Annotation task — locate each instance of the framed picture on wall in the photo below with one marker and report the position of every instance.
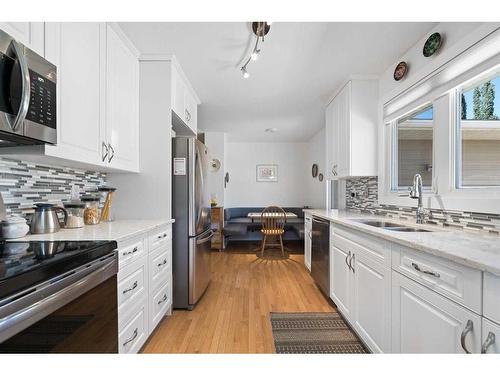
(267, 173)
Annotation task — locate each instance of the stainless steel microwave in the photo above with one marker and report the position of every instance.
(28, 85)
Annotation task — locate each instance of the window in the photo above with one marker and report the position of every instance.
(478, 134)
(413, 151)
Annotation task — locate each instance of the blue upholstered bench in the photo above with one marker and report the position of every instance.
(238, 226)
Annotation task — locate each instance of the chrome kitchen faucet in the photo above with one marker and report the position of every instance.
(416, 193)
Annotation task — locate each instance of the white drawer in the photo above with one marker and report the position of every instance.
(160, 237)
(371, 247)
(131, 251)
(491, 296)
(159, 303)
(134, 334)
(159, 266)
(131, 287)
(459, 283)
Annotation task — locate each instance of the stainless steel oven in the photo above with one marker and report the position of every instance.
(59, 297)
(28, 85)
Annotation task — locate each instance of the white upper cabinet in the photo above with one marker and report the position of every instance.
(97, 99)
(31, 34)
(184, 100)
(122, 104)
(351, 130)
(78, 50)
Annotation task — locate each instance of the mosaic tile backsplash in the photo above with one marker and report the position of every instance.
(362, 195)
(23, 184)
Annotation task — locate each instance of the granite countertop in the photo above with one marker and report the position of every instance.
(119, 230)
(479, 251)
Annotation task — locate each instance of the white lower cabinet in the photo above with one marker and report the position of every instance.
(423, 321)
(491, 337)
(341, 281)
(422, 304)
(360, 287)
(144, 287)
(372, 303)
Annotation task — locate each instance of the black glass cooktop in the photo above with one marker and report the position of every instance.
(25, 264)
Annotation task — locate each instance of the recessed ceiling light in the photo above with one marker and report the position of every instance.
(271, 130)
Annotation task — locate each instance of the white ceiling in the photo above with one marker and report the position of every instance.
(300, 66)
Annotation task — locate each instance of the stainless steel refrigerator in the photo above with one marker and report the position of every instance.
(192, 232)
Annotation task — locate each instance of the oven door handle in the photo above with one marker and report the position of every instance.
(53, 295)
(25, 86)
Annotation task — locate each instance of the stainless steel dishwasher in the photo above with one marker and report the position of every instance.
(320, 254)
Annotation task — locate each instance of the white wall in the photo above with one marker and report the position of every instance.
(216, 143)
(316, 153)
(244, 191)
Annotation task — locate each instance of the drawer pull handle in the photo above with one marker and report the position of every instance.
(164, 235)
(347, 260)
(490, 340)
(134, 250)
(134, 336)
(352, 259)
(131, 288)
(162, 263)
(468, 328)
(163, 299)
(432, 273)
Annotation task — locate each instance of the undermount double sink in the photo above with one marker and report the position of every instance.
(386, 225)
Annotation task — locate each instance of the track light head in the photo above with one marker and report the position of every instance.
(255, 54)
(245, 73)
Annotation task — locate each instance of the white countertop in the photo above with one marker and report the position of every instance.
(480, 251)
(119, 230)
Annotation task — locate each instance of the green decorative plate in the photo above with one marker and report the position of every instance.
(432, 44)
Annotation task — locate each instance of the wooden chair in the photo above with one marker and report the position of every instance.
(273, 219)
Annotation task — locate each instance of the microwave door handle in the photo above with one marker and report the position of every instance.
(25, 86)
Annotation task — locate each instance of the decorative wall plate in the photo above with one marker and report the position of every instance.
(320, 177)
(432, 44)
(314, 170)
(400, 71)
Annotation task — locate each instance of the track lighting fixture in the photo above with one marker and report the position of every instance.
(260, 29)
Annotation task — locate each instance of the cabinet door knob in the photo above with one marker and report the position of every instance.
(112, 154)
(104, 151)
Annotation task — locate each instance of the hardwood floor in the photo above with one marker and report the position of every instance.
(233, 315)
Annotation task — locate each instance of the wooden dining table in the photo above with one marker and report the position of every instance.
(258, 215)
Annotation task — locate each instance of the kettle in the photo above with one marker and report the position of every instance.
(45, 218)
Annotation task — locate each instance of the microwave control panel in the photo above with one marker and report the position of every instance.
(42, 108)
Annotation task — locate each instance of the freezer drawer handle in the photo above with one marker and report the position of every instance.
(468, 328)
(490, 340)
(432, 273)
(131, 288)
(163, 299)
(134, 336)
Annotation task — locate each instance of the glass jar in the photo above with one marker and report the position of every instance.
(107, 193)
(75, 211)
(91, 214)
